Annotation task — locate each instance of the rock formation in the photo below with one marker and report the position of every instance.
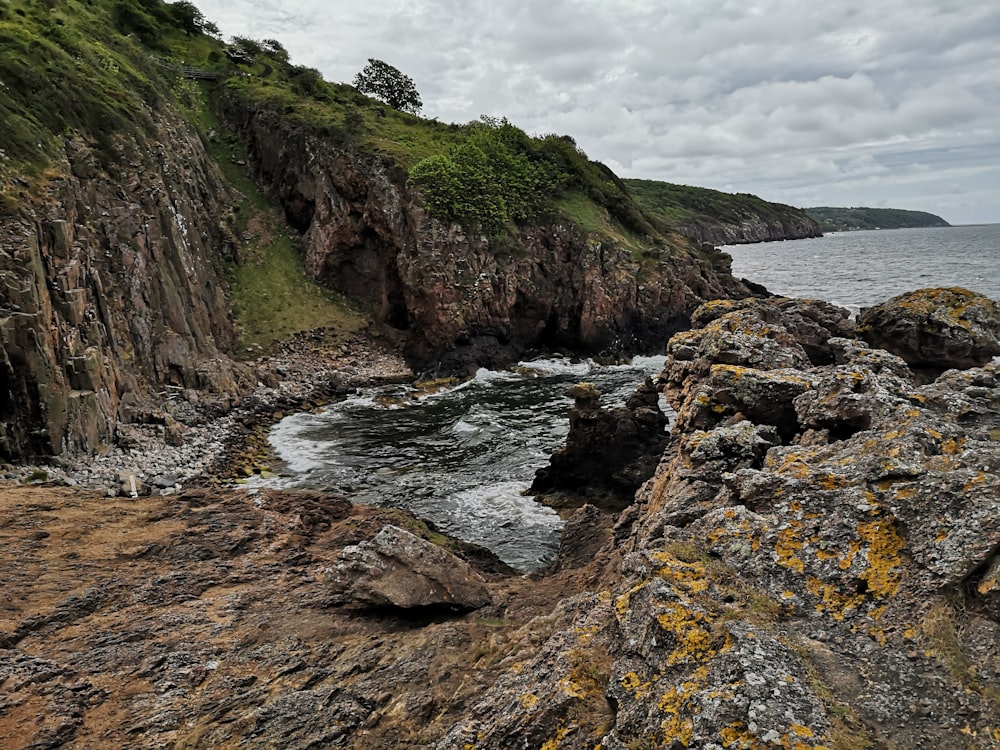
(935, 329)
(399, 569)
(462, 299)
(813, 564)
(608, 453)
(113, 286)
(751, 229)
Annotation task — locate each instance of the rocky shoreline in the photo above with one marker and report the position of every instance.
(814, 563)
(187, 441)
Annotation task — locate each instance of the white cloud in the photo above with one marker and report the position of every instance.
(837, 102)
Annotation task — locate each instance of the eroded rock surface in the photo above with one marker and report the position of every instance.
(399, 569)
(111, 287)
(813, 564)
(609, 453)
(935, 329)
(463, 301)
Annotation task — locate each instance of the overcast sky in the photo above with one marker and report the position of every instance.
(838, 102)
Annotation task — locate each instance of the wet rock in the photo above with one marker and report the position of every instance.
(397, 569)
(609, 453)
(935, 329)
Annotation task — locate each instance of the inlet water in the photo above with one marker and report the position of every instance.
(461, 457)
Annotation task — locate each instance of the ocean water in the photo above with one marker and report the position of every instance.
(861, 269)
(464, 456)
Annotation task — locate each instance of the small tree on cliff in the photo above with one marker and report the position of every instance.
(395, 88)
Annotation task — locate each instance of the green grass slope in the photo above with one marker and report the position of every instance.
(97, 69)
(847, 219)
(686, 206)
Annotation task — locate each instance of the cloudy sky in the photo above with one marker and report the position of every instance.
(840, 102)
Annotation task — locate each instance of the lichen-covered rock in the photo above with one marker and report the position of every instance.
(937, 329)
(551, 691)
(397, 569)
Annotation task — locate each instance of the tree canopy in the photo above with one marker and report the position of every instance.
(385, 82)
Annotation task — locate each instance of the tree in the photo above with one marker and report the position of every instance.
(190, 19)
(389, 84)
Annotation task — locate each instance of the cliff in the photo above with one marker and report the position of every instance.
(113, 289)
(849, 219)
(119, 231)
(718, 218)
(462, 298)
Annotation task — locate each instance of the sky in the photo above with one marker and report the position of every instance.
(894, 103)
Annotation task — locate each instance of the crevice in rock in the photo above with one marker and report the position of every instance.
(299, 211)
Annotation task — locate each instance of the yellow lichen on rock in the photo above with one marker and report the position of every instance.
(788, 545)
(884, 563)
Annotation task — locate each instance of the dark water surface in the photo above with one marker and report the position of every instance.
(461, 457)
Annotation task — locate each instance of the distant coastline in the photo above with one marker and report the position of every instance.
(854, 219)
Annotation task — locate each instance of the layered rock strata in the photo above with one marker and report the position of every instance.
(113, 288)
(752, 228)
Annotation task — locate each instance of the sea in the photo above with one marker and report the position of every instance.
(464, 456)
(861, 269)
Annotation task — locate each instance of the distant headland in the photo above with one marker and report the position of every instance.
(851, 219)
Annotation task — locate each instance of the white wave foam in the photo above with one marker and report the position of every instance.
(500, 504)
(557, 366)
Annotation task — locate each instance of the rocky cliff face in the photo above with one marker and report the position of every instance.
(752, 228)
(112, 286)
(462, 299)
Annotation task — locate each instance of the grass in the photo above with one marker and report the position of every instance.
(943, 630)
(273, 299)
(683, 205)
(95, 69)
(87, 67)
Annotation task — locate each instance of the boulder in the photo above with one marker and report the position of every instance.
(935, 329)
(399, 570)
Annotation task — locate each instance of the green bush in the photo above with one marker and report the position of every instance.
(489, 181)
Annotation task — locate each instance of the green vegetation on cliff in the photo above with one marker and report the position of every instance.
(99, 71)
(711, 215)
(847, 219)
(96, 68)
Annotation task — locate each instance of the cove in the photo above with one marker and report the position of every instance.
(461, 457)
